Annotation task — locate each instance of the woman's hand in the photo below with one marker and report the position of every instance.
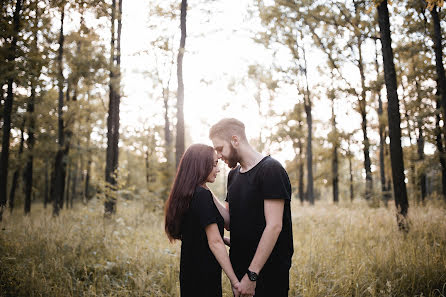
(235, 289)
(227, 241)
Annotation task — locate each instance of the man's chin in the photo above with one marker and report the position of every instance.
(232, 165)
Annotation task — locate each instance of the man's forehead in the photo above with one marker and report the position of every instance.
(218, 142)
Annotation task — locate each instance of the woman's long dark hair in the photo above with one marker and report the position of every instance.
(194, 168)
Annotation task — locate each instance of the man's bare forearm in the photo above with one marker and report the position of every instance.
(265, 247)
(273, 217)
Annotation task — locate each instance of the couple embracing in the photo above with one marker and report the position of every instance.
(256, 213)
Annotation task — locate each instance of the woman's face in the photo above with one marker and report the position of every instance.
(213, 175)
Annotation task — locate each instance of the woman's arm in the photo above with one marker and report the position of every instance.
(223, 210)
(219, 250)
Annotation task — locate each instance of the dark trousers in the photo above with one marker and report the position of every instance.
(273, 283)
(272, 289)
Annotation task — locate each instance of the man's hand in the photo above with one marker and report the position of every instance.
(227, 241)
(247, 287)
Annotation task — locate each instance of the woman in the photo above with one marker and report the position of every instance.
(197, 218)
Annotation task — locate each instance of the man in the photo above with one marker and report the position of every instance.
(259, 196)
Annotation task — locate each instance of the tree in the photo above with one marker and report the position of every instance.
(63, 136)
(441, 83)
(382, 124)
(15, 177)
(291, 128)
(336, 21)
(180, 146)
(356, 24)
(37, 61)
(7, 110)
(309, 117)
(335, 143)
(333, 138)
(438, 49)
(284, 29)
(349, 156)
(113, 112)
(393, 113)
(440, 147)
(417, 75)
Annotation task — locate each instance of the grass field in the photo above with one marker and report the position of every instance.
(347, 250)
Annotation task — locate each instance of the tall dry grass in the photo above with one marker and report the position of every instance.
(348, 250)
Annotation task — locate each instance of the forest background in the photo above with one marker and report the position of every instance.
(99, 99)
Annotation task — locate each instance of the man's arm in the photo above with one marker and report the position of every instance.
(273, 209)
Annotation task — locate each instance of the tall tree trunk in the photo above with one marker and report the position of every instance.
(300, 188)
(113, 114)
(334, 159)
(60, 163)
(393, 113)
(28, 174)
(350, 168)
(46, 192)
(82, 176)
(167, 134)
(307, 107)
(440, 148)
(382, 140)
(7, 108)
(87, 174)
(74, 182)
(15, 177)
(68, 180)
(363, 112)
(420, 149)
(109, 166)
(118, 89)
(180, 146)
(387, 157)
(2, 98)
(146, 161)
(438, 48)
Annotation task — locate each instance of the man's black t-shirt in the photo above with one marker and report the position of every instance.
(246, 194)
(200, 272)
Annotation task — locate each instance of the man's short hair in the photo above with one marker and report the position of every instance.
(226, 128)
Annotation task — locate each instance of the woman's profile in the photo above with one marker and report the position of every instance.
(194, 216)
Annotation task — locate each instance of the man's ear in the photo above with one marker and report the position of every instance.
(234, 141)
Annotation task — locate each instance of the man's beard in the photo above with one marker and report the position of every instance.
(233, 158)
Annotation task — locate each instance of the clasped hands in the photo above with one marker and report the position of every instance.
(244, 288)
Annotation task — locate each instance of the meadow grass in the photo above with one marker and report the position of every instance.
(345, 250)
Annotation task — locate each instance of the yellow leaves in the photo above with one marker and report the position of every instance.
(432, 3)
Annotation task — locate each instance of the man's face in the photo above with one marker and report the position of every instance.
(226, 152)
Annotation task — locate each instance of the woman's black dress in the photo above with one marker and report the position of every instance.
(200, 273)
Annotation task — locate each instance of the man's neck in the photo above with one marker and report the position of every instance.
(249, 158)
